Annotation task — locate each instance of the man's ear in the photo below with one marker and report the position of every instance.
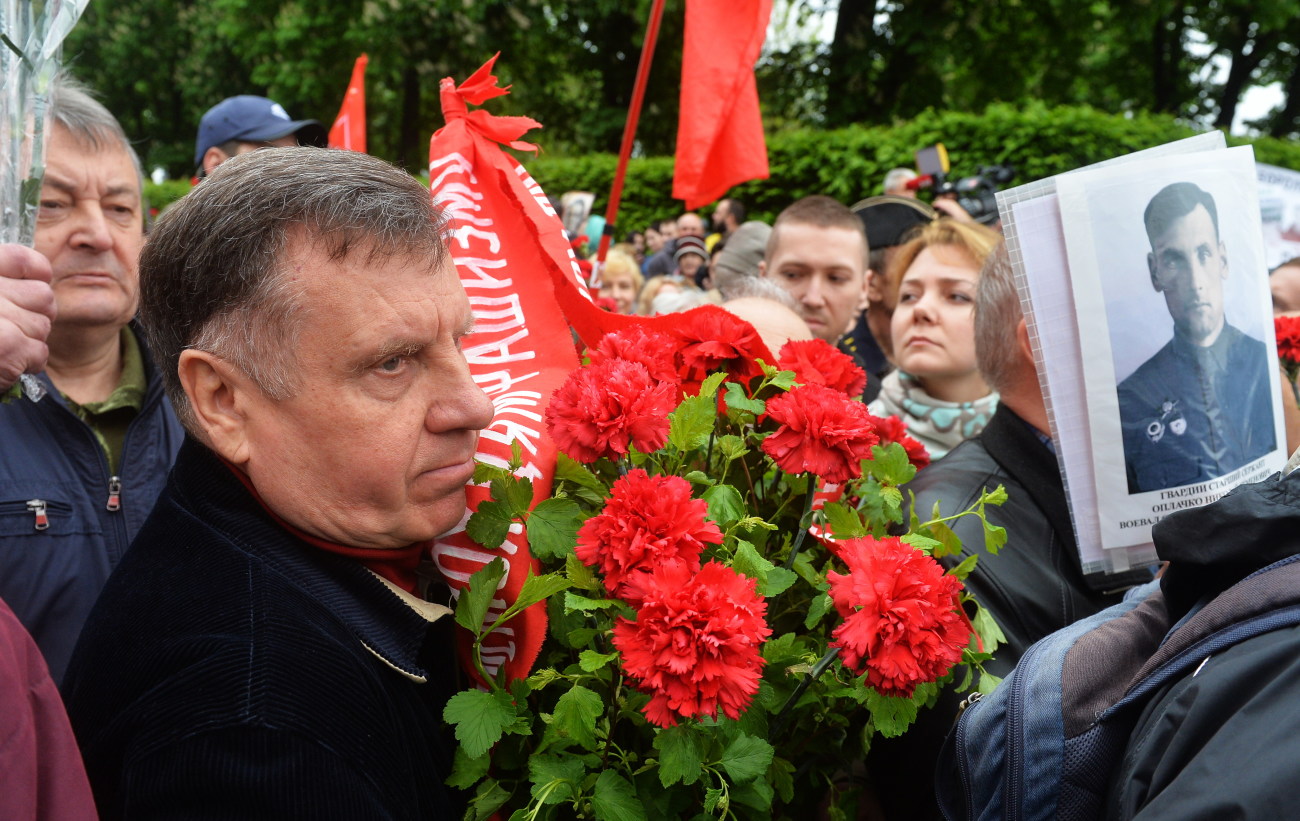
(864, 299)
(212, 158)
(762, 267)
(218, 394)
(1151, 266)
(1022, 342)
(1223, 256)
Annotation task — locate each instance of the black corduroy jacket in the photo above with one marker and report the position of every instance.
(230, 670)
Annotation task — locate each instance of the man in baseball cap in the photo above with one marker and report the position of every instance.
(237, 125)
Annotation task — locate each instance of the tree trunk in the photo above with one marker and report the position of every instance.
(1167, 43)
(849, 63)
(408, 134)
(1243, 68)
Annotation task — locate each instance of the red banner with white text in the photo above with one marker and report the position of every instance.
(349, 129)
(509, 248)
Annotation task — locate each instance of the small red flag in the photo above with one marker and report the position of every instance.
(720, 130)
(349, 130)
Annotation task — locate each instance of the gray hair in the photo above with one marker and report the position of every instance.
(74, 108)
(897, 177)
(756, 286)
(212, 276)
(997, 314)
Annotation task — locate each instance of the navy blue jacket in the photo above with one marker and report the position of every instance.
(51, 577)
(230, 670)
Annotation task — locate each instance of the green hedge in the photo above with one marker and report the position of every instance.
(850, 163)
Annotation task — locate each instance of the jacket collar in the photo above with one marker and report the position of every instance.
(388, 622)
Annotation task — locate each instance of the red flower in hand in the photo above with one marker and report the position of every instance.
(901, 623)
(602, 409)
(694, 646)
(658, 352)
(817, 362)
(1288, 339)
(715, 341)
(892, 429)
(649, 522)
(822, 432)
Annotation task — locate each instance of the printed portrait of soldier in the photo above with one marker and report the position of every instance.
(1201, 406)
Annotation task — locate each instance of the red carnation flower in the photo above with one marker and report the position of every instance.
(822, 432)
(649, 522)
(1288, 339)
(658, 352)
(892, 429)
(694, 646)
(901, 623)
(817, 362)
(715, 340)
(601, 409)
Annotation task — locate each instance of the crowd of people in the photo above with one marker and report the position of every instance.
(210, 527)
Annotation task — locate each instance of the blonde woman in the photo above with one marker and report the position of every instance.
(937, 389)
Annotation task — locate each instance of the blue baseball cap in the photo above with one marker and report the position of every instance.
(253, 119)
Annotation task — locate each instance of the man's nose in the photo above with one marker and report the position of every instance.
(459, 404)
(91, 230)
(814, 295)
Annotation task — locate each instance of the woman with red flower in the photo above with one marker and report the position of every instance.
(902, 625)
(694, 646)
(649, 522)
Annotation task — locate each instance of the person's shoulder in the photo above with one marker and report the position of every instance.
(957, 478)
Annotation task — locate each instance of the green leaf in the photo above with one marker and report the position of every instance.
(698, 477)
(553, 528)
(577, 474)
(690, 424)
(987, 683)
(725, 505)
(590, 661)
(889, 464)
(516, 456)
(781, 776)
(489, 798)
(473, 603)
(738, 400)
(731, 446)
(821, 605)
(996, 496)
(988, 629)
(581, 637)
(680, 758)
(783, 379)
(746, 758)
(964, 569)
(484, 473)
(489, 524)
(892, 715)
(572, 601)
(480, 719)
(535, 589)
(844, 521)
(923, 543)
(756, 794)
(950, 541)
(466, 771)
(575, 716)
(543, 677)
(515, 493)
(712, 800)
(580, 576)
(994, 537)
(556, 779)
(709, 387)
(615, 800)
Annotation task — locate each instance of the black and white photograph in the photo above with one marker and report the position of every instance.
(1176, 329)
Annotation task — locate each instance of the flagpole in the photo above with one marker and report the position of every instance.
(629, 129)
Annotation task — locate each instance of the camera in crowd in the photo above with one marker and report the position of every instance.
(974, 193)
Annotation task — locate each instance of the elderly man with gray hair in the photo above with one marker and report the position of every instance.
(82, 467)
(1035, 585)
(267, 648)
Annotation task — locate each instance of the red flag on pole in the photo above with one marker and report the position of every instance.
(349, 129)
(720, 131)
(508, 244)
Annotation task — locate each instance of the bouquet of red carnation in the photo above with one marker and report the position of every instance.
(1288, 349)
(708, 658)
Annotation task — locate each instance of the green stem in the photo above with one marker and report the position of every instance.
(803, 525)
(1295, 391)
(820, 667)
